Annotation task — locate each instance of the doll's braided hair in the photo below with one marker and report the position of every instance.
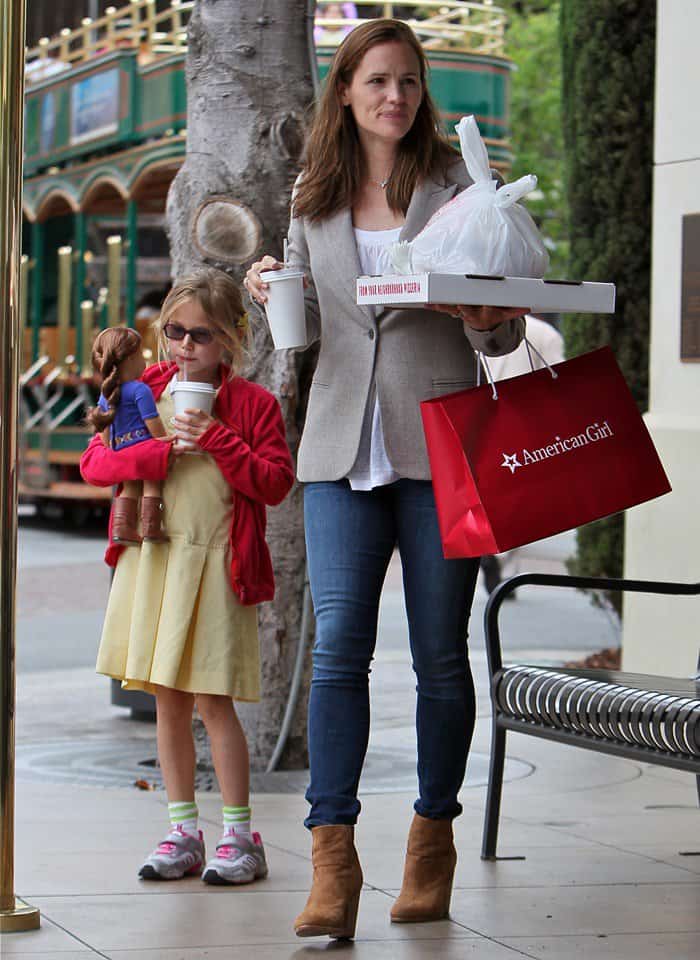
(111, 346)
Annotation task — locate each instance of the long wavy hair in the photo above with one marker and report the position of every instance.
(111, 346)
(334, 164)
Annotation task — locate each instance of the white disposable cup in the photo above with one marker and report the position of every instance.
(191, 395)
(285, 307)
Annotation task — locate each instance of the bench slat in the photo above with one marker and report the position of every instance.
(605, 705)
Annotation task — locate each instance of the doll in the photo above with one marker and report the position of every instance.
(126, 414)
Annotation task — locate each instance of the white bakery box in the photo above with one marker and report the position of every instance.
(537, 296)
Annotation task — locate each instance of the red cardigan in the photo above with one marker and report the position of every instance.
(249, 447)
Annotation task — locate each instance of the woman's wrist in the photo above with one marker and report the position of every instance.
(495, 326)
(487, 319)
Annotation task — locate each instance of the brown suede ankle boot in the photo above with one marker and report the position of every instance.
(335, 892)
(427, 879)
(151, 517)
(124, 522)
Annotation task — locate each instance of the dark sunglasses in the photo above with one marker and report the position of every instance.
(200, 335)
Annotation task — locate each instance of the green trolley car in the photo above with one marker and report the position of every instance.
(105, 134)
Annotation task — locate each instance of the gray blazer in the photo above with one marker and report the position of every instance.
(409, 355)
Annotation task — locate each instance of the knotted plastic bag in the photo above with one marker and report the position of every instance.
(482, 230)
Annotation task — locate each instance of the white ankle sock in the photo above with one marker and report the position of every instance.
(238, 820)
(184, 814)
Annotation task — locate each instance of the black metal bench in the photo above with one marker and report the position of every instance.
(654, 719)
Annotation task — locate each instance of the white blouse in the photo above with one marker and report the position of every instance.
(372, 467)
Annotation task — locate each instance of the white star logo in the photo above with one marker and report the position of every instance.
(511, 461)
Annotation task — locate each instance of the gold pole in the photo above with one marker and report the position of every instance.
(87, 316)
(14, 914)
(65, 282)
(114, 279)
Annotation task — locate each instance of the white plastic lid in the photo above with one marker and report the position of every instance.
(194, 386)
(286, 273)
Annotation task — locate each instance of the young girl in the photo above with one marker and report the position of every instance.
(126, 414)
(181, 619)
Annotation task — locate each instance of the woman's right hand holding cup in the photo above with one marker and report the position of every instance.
(253, 281)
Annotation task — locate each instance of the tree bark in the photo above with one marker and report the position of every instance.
(249, 85)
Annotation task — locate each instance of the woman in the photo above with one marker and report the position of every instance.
(376, 169)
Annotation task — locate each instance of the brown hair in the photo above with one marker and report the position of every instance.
(333, 160)
(220, 298)
(111, 346)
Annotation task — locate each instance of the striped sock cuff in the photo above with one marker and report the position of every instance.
(183, 812)
(234, 815)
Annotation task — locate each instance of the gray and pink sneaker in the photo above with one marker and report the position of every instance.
(180, 854)
(237, 860)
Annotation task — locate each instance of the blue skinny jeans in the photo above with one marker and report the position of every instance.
(350, 537)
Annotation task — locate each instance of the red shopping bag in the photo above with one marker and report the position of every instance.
(549, 454)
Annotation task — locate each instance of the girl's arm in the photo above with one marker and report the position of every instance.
(261, 470)
(102, 467)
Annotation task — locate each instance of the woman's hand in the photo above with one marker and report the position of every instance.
(253, 282)
(190, 426)
(479, 318)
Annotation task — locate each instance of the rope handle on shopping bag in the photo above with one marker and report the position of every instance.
(482, 362)
(531, 346)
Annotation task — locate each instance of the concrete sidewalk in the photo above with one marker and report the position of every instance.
(606, 872)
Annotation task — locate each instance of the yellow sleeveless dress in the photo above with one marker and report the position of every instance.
(172, 617)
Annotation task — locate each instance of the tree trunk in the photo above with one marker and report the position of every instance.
(249, 84)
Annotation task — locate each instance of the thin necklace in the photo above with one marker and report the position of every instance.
(380, 184)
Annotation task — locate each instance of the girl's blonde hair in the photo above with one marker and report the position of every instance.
(111, 346)
(333, 164)
(220, 298)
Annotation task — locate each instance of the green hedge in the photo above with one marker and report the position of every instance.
(535, 110)
(607, 114)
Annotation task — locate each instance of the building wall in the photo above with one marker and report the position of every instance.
(661, 635)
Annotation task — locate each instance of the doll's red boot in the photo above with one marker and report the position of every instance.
(124, 522)
(151, 520)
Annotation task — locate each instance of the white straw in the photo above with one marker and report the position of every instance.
(184, 370)
(284, 248)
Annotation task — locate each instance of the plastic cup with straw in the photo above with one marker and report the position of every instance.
(285, 304)
(191, 395)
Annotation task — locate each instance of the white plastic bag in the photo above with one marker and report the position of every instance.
(482, 230)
